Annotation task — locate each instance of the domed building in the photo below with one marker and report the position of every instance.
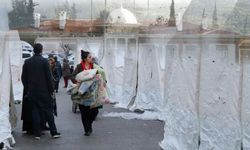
(122, 20)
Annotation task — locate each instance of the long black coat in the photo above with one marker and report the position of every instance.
(36, 75)
(37, 82)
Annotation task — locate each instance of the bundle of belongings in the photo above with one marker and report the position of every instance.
(89, 89)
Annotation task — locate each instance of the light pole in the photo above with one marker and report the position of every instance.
(91, 16)
(148, 7)
(105, 5)
(134, 6)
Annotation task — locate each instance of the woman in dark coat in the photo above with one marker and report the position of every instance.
(55, 78)
(88, 114)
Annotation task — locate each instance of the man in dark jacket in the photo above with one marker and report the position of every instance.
(36, 78)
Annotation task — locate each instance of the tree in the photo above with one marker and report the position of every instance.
(22, 13)
(160, 20)
(104, 15)
(66, 48)
(73, 11)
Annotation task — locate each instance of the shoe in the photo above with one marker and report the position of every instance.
(28, 132)
(56, 135)
(37, 137)
(87, 133)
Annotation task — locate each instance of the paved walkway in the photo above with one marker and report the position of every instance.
(108, 133)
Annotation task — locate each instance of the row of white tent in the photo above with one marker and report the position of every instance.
(200, 94)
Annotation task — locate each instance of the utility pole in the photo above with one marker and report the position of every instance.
(134, 5)
(105, 20)
(91, 26)
(105, 5)
(148, 8)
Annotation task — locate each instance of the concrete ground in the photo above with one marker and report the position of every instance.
(108, 133)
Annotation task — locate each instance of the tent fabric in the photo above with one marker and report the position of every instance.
(6, 95)
(181, 122)
(120, 63)
(219, 100)
(245, 107)
(15, 49)
(2, 35)
(113, 73)
(130, 74)
(150, 94)
(197, 86)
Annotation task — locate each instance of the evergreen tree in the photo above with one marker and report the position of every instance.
(104, 15)
(22, 14)
(73, 11)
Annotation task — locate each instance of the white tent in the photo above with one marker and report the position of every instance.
(7, 108)
(150, 92)
(219, 99)
(182, 75)
(244, 111)
(130, 74)
(8, 117)
(194, 86)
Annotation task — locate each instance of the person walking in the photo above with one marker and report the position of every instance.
(55, 78)
(58, 67)
(36, 79)
(71, 69)
(88, 113)
(66, 72)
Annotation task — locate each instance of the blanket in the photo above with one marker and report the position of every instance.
(90, 91)
(86, 75)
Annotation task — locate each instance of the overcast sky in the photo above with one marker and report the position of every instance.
(157, 7)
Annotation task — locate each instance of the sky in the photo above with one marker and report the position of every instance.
(157, 7)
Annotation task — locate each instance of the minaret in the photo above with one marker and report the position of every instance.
(215, 18)
(172, 20)
(204, 25)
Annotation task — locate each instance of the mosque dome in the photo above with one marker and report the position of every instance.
(122, 16)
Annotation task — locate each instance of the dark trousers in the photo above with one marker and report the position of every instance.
(65, 81)
(57, 85)
(39, 115)
(88, 116)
